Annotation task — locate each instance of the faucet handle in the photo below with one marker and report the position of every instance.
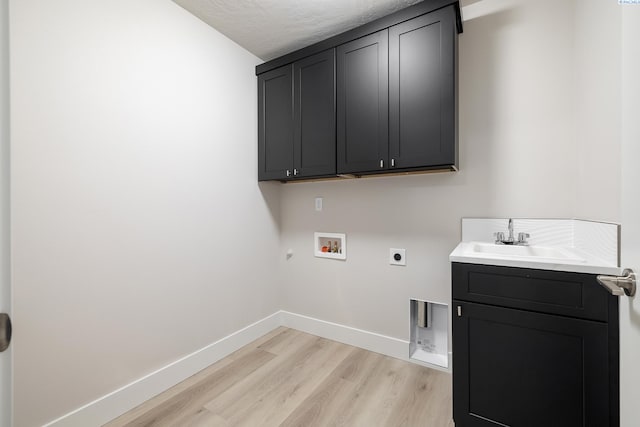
(499, 236)
(522, 238)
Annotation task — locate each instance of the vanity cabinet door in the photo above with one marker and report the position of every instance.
(520, 368)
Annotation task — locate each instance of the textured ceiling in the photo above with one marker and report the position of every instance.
(271, 28)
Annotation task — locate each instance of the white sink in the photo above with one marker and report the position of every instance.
(531, 253)
(556, 245)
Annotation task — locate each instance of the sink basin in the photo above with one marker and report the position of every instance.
(533, 253)
(555, 245)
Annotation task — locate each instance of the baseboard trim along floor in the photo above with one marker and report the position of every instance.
(116, 403)
(347, 335)
(120, 401)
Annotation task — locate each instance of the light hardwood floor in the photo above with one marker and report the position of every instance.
(290, 378)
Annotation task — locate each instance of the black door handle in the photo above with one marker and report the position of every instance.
(5, 331)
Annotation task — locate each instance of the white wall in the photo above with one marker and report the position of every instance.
(140, 233)
(596, 78)
(523, 133)
(5, 290)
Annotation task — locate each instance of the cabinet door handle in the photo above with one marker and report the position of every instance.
(288, 172)
(393, 163)
(295, 171)
(459, 311)
(381, 163)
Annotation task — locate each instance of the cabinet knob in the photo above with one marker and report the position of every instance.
(288, 172)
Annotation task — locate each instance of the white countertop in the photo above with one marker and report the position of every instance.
(559, 258)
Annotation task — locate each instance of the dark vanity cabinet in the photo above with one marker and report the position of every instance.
(296, 119)
(376, 99)
(533, 348)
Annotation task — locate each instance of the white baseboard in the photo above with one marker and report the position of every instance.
(372, 341)
(367, 340)
(118, 402)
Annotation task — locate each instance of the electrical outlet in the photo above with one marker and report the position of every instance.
(318, 204)
(397, 256)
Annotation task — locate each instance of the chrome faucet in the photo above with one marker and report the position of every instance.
(510, 240)
(510, 228)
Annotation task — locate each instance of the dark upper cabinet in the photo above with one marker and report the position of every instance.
(296, 119)
(275, 124)
(422, 110)
(362, 85)
(533, 348)
(396, 97)
(375, 99)
(315, 115)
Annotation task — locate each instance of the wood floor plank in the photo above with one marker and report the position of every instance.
(300, 381)
(322, 405)
(127, 418)
(158, 400)
(269, 377)
(370, 403)
(289, 378)
(203, 418)
(188, 402)
(358, 365)
(384, 393)
(260, 341)
(427, 396)
(283, 342)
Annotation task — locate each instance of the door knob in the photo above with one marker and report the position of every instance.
(620, 285)
(5, 331)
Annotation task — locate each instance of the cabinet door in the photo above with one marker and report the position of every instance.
(519, 368)
(422, 91)
(275, 124)
(315, 115)
(363, 104)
